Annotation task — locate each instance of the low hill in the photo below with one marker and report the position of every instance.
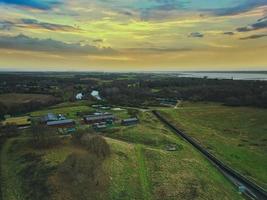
(139, 167)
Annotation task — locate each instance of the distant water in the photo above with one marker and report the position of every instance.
(227, 75)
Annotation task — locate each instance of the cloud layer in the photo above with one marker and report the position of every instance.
(22, 42)
(36, 4)
(134, 32)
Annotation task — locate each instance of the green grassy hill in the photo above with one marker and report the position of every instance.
(236, 135)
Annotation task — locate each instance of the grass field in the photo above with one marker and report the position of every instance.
(11, 99)
(238, 136)
(20, 121)
(68, 111)
(139, 166)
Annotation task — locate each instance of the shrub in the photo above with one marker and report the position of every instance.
(133, 112)
(76, 136)
(96, 144)
(43, 136)
(9, 130)
(233, 101)
(82, 177)
(35, 173)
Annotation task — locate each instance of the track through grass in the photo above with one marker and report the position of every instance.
(143, 173)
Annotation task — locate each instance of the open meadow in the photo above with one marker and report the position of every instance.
(237, 136)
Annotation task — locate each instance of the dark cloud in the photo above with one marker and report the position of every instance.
(49, 26)
(254, 37)
(259, 25)
(6, 25)
(160, 50)
(32, 23)
(98, 41)
(229, 33)
(196, 35)
(243, 7)
(244, 29)
(261, 19)
(22, 42)
(128, 13)
(162, 5)
(36, 4)
(171, 4)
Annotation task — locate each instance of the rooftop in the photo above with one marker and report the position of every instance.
(60, 122)
(130, 120)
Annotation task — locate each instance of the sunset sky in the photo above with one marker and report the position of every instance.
(130, 35)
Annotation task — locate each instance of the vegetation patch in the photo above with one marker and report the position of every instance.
(81, 177)
(25, 174)
(17, 103)
(235, 135)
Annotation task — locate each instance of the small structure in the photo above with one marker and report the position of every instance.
(66, 123)
(63, 126)
(96, 106)
(167, 102)
(171, 147)
(118, 109)
(59, 121)
(49, 118)
(106, 117)
(100, 126)
(61, 117)
(96, 95)
(79, 96)
(130, 121)
(105, 108)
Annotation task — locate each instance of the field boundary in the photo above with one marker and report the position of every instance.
(251, 190)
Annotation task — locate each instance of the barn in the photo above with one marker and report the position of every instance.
(92, 119)
(130, 121)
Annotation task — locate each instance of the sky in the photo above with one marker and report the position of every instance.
(133, 35)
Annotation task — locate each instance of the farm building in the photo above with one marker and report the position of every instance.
(49, 118)
(167, 102)
(91, 119)
(100, 126)
(130, 121)
(65, 126)
(67, 123)
(97, 106)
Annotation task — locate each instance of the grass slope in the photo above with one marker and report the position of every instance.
(236, 135)
(138, 168)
